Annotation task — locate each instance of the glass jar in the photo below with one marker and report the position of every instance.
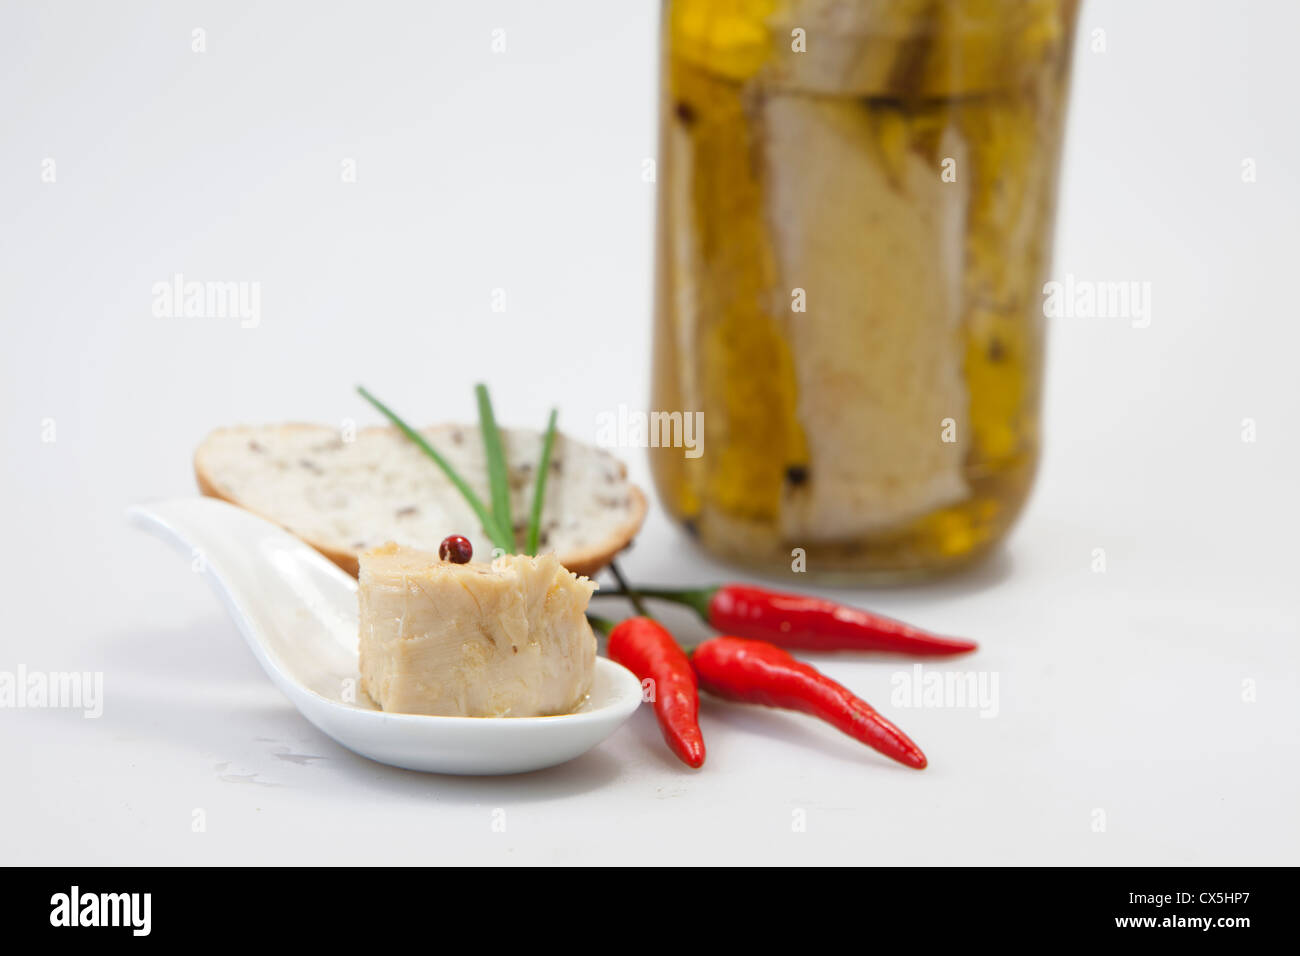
(855, 214)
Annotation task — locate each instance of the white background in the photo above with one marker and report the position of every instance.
(1119, 692)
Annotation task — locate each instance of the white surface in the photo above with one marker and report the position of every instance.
(298, 613)
(1120, 692)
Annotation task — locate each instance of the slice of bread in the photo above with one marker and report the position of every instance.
(343, 497)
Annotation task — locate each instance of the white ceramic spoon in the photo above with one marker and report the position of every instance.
(298, 613)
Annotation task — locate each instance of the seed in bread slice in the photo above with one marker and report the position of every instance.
(343, 497)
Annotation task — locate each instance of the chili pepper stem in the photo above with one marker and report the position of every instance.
(696, 599)
(629, 593)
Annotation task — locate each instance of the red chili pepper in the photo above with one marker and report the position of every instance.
(806, 623)
(756, 672)
(646, 648)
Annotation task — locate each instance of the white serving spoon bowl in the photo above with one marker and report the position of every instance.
(298, 613)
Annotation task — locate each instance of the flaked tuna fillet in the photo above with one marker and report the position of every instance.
(510, 639)
(862, 221)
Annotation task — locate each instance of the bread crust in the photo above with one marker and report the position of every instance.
(588, 562)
